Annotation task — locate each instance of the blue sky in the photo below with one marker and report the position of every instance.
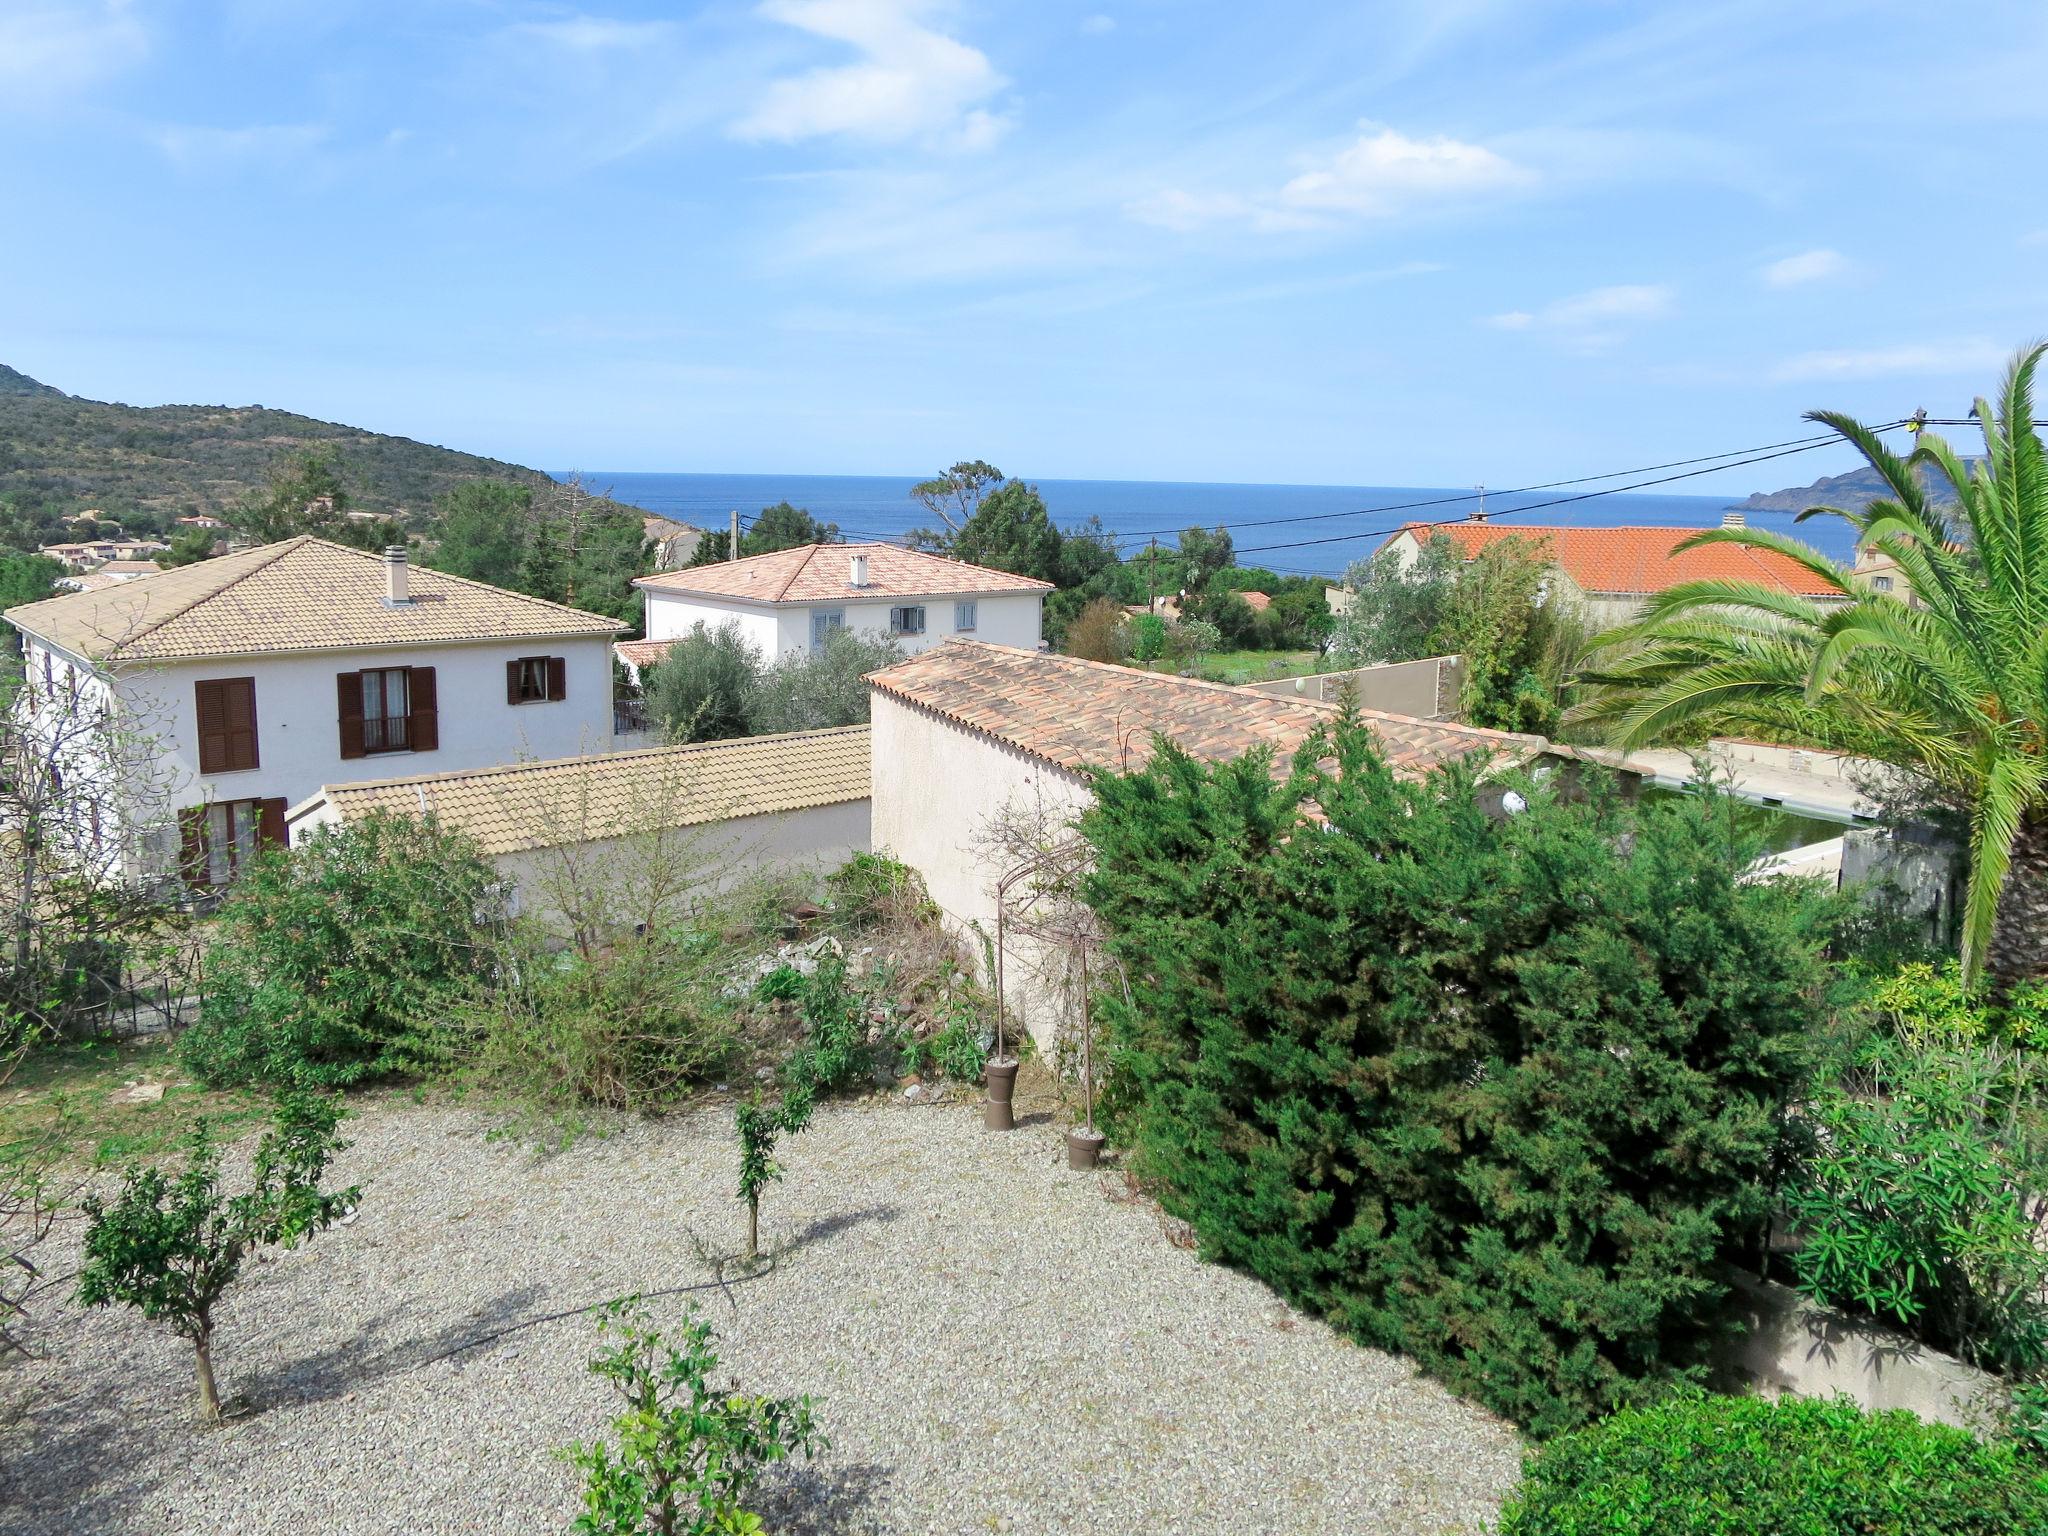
(1419, 243)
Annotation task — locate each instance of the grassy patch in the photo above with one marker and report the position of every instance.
(1251, 666)
(82, 1094)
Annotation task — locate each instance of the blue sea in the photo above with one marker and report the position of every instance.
(1314, 530)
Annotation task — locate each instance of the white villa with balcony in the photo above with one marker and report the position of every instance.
(793, 599)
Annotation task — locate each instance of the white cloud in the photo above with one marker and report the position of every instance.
(51, 49)
(594, 34)
(1806, 267)
(1593, 308)
(1970, 356)
(1096, 26)
(910, 82)
(1381, 174)
(191, 148)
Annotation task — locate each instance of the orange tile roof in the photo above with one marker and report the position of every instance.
(813, 573)
(1075, 714)
(1635, 560)
(641, 653)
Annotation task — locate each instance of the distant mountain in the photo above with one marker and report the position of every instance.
(68, 453)
(1851, 492)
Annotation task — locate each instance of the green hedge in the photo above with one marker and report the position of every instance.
(1732, 1466)
(1498, 1094)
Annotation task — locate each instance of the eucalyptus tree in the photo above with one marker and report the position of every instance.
(1946, 677)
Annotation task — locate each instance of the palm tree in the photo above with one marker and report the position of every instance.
(1952, 686)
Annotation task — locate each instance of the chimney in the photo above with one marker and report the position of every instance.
(1733, 519)
(859, 576)
(397, 578)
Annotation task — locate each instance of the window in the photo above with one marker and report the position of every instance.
(536, 679)
(221, 838)
(388, 709)
(906, 621)
(226, 710)
(1881, 583)
(963, 615)
(823, 622)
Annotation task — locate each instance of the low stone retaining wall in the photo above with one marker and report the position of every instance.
(1789, 1344)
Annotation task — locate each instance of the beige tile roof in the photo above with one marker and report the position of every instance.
(813, 573)
(1076, 714)
(523, 806)
(642, 653)
(301, 594)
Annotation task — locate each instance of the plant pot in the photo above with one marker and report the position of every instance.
(1084, 1146)
(1001, 1077)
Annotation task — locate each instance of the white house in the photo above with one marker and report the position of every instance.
(968, 734)
(599, 843)
(792, 599)
(257, 677)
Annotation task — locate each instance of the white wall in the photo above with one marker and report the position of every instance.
(1009, 618)
(936, 786)
(298, 738)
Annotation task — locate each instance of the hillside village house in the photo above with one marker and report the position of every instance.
(969, 732)
(83, 556)
(793, 599)
(260, 676)
(601, 843)
(1611, 573)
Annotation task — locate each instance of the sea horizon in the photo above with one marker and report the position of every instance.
(1312, 530)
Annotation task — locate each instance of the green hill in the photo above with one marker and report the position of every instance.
(1851, 492)
(60, 453)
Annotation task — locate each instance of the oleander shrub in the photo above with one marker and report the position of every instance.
(1498, 1091)
(333, 963)
(1742, 1466)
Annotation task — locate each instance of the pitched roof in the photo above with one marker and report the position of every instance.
(641, 653)
(1634, 560)
(301, 594)
(522, 806)
(1075, 714)
(813, 573)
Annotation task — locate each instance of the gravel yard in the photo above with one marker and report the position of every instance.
(995, 1343)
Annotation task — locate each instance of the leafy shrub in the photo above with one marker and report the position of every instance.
(784, 984)
(1098, 632)
(688, 1453)
(1501, 1095)
(1739, 1466)
(1919, 1201)
(170, 1248)
(836, 1014)
(698, 691)
(332, 963)
(1932, 1004)
(1148, 637)
(954, 1050)
(631, 1027)
(805, 691)
(871, 888)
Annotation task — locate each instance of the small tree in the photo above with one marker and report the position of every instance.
(171, 1247)
(699, 690)
(1099, 632)
(809, 692)
(759, 1125)
(688, 1453)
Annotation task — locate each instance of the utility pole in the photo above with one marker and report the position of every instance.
(1151, 576)
(733, 544)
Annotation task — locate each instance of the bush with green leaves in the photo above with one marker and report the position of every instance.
(333, 963)
(699, 690)
(814, 690)
(1744, 1466)
(954, 1049)
(1498, 1091)
(1928, 1002)
(170, 1247)
(870, 888)
(1921, 1198)
(688, 1453)
(632, 1026)
(760, 1126)
(836, 1052)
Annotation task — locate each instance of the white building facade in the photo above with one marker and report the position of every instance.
(258, 677)
(792, 600)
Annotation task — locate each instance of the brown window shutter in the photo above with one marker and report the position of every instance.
(192, 844)
(239, 697)
(270, 832)
(558, 677)
(512, 681)
(426, 710)
(210, 705)
(348, 688)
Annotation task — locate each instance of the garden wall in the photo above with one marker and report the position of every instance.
(1427, 689)
(1789, 1344)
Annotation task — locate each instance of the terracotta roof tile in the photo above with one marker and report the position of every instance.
(522, 806)
(1077, 714)
(302, 594)
(1635, 561)
(641, 653)
(813, 573)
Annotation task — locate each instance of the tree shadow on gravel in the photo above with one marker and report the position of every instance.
(814, 1500)
(832, 1226)
(76, 1466)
